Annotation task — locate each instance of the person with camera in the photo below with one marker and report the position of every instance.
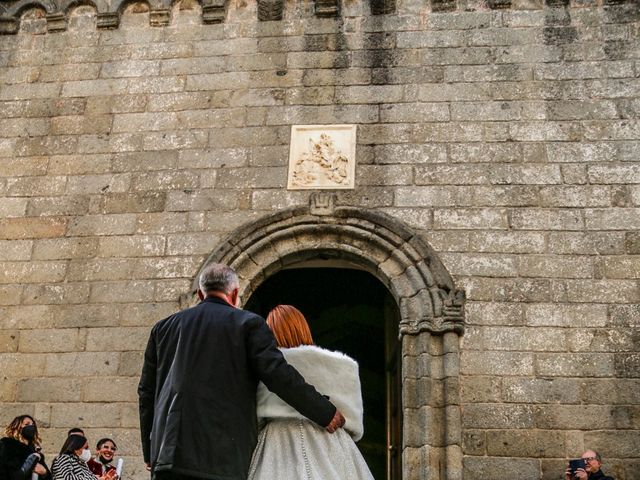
(587, 468)
(20, 452)
(101, 464)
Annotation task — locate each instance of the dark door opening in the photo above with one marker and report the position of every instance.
(351, 311)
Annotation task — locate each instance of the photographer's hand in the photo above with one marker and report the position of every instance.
(582, 474)
(567, 473)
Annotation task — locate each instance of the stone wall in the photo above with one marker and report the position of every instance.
(134, 138)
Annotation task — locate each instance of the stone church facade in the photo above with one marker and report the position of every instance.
(496, 199)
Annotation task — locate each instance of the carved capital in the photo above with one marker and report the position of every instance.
(270, 10)
(327, 8)
(160, 17)
(56, 22)
(9, 25)
(322, 203)
(443, 5)
(108, 20)
(382, 7)
(451, 320)
(214, 11)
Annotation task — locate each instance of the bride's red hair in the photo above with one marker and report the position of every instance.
(289, 326)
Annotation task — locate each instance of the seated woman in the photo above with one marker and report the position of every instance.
(290, 447)
(20, 455)
(71, 464)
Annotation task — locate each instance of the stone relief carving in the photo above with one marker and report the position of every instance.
(322, 157)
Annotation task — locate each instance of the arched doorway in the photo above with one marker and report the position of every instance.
(431, 310)
(343, 306)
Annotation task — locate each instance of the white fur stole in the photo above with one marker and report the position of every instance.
(333, 374)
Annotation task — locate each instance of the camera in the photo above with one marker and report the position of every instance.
(574, 465)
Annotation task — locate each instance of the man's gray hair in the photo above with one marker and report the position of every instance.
(218, 277)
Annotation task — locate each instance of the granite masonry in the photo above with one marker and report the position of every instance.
(497, 196)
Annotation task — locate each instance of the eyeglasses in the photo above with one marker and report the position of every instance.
(590, 459)
(113, 449)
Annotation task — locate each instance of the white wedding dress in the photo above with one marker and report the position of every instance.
(290, 447)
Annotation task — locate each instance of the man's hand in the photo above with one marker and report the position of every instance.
(582, 474)
(39, 469)
(148, 465)
(336, 422)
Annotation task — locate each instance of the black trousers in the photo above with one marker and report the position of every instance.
(172, 476)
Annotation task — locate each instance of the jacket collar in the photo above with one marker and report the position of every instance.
(211, 299)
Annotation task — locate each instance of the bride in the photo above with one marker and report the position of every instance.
(290, 447)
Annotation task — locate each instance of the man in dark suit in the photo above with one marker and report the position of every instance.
(197, 391)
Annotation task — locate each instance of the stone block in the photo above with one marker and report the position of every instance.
(206, 200)
(507, 242)
(480, 389)
(612, 219)
(33, 186)
(515, 338)
(168, 267)
(161, 223)
(190, 66)
(496, 363)
(73, 414)
(581, 152)
(574, 364)
(627, 365)
(501, 416)
(121, 292)
(560, 266)
(130, 364)
(627, 267)
(471, 264)
(609, 391)
(81, 364)
(87, 88)
(14, 250)
(586, 243)
(143, 202)
(46, 340)
(64, 248)
(139, 314)
(174, 140)
(121, 389)
(624, 315)
(546, 219)
(57, 293)
(58, 206)
(574, 417)
(380, 175)
(122, 142)
(602, 291)
(532, 444)
(131, 246)
(98, 184)
(99, 104)
(499, 468)
(414, 112)
(265, 177)
(117, 339)
(32, 272)
(9, 341)
(77, 124)
(115, 224)
(192, 243)
(10, 294)
(101, 269)
(541, 390)
(484, 313)
(480, 218)
(566, 315)
(49, 390)
(19, 167)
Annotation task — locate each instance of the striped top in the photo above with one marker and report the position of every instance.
(69, 467)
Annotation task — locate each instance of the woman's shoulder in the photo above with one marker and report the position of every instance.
(12, 444)
(312, 354)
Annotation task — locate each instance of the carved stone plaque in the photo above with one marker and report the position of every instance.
(322, 157)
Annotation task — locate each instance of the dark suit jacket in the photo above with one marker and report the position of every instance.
(198, 390)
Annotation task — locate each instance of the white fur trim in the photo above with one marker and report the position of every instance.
(334, 374)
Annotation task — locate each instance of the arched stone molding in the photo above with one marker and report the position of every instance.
(17, 8)
(431, 309)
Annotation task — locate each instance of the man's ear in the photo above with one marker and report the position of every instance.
(200, 294)
(234, 297)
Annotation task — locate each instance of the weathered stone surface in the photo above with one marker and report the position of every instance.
(503, 134)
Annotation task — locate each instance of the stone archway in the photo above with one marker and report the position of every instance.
(431, 309)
